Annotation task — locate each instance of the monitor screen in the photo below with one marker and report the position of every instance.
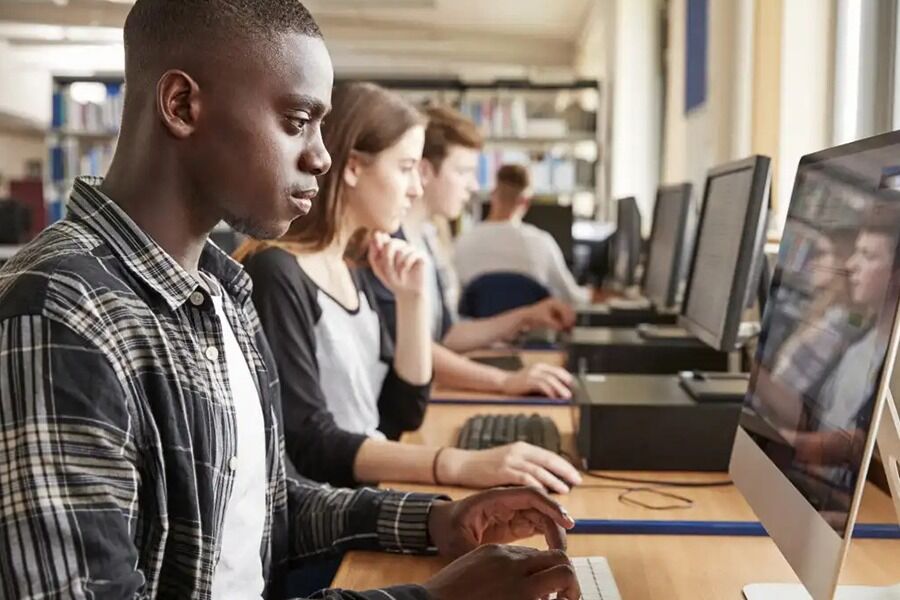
(663, 272)
(718, 250)
(556, 220)
(828, 324)
(627, 242)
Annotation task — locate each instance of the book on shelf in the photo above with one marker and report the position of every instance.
(71, 115)
(549, 174)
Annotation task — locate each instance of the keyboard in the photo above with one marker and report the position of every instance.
(595, 578)
(487, 431)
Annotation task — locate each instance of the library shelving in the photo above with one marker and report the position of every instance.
(551, 128)
(87, 112)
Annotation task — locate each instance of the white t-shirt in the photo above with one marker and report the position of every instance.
(511, 247)
(351, 372)
(239, 572)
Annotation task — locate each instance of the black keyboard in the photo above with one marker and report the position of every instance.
(487, 431)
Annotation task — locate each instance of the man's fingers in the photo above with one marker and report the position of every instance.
(560, 579)
(525, 498)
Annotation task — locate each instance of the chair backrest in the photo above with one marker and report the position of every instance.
(494, 293)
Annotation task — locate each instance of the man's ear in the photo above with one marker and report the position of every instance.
(178, 102)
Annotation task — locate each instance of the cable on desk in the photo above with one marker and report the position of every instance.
(647, 486)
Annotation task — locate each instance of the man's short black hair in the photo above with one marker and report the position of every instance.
(157, 28)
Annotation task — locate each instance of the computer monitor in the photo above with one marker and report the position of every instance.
(818, 394)
(626, 249)
(728, 252)
(663, 273)
(556, 220)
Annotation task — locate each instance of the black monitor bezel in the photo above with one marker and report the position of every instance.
(683, 191)
(751, 245)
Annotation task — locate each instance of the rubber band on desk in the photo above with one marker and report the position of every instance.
(880, 531)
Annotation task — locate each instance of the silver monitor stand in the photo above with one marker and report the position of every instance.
(889, 448)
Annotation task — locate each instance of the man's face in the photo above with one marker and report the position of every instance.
(258, 145)
(448, 190)
(870, 268)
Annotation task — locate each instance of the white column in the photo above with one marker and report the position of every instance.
(636, 103)
(806, 119)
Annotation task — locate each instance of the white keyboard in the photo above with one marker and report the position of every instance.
(595, 578)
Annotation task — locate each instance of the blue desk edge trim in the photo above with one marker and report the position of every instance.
(883, 531)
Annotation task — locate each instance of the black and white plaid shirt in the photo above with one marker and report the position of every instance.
(117, 427)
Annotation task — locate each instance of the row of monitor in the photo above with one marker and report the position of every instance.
(725, 262)
(819, 392)
(832, 313)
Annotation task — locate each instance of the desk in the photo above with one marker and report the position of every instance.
(645, 567)
(651, 567)
(442, 422)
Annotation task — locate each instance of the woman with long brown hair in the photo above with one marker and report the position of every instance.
(345, 391)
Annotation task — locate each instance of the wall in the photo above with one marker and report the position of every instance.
(719, 130)
(766, 104)
(26, 88)
(807, 59)
(636, 76)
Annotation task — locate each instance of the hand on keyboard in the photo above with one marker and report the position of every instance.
(546, 380)
(513, 464)
(498, 516)
(505, 573)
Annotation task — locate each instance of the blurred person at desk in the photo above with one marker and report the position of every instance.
(448, 169)
(503, 243)
(141, 444)
(349, 390)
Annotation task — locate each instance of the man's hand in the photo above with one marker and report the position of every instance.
(512, 464)
(497, 516)
(399, 266)
(548, 314)
(506, 573)
(547, 380)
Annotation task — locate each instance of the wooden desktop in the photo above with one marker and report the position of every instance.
(645, 566)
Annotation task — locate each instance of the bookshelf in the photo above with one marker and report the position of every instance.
(552, 128)
(87, 112)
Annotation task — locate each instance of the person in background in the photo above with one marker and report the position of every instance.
(448, 168)
(503, 243)
(141, 444)
(346, 386)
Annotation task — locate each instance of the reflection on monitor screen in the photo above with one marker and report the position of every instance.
(827, 327)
